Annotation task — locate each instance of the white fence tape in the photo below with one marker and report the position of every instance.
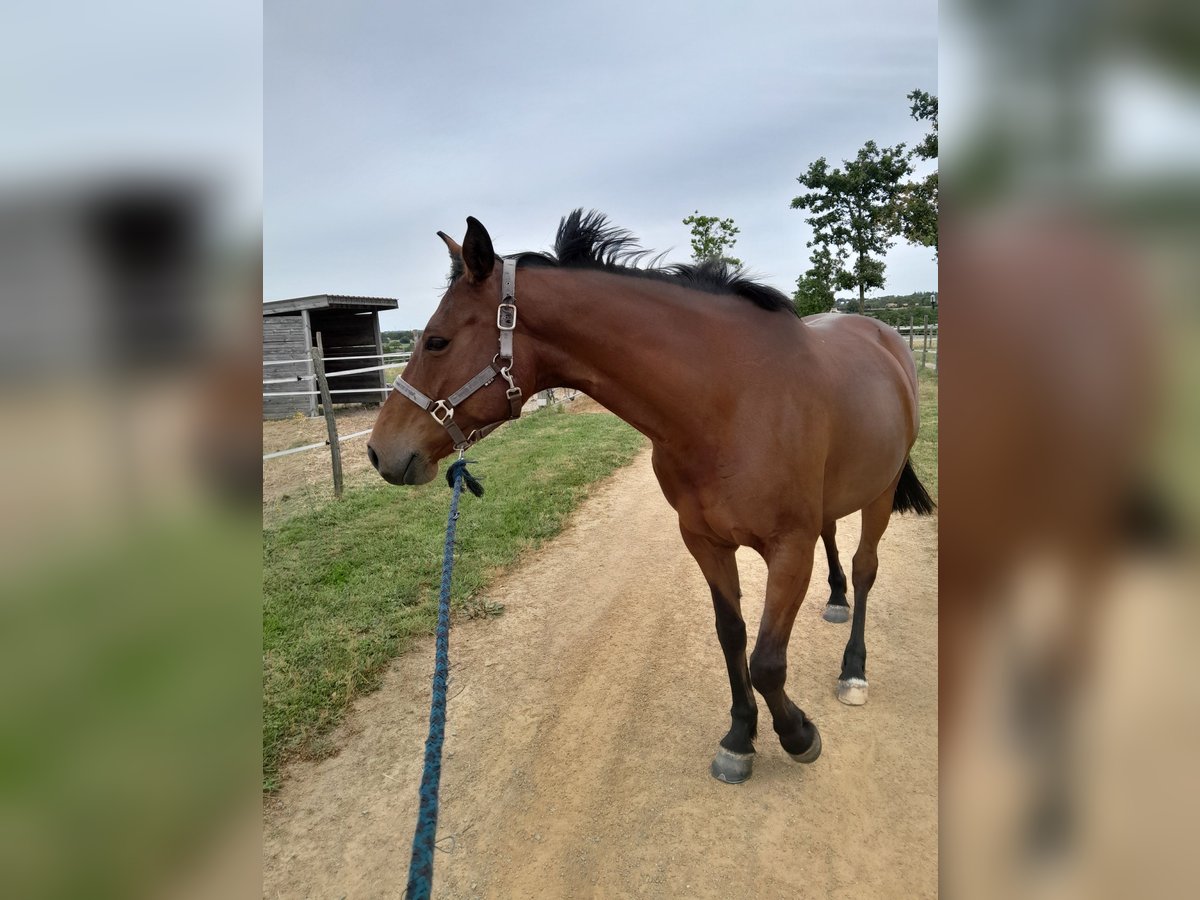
(292, 378)
(289, 379)
(358, 371)
(318, 393)
(291, 450)
(288, 362)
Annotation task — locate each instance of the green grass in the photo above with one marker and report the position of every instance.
(127, 684)
(346, 586)
(925, 452)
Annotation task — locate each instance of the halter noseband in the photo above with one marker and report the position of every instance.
(501, 364)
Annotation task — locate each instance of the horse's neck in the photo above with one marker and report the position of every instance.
(634, 345)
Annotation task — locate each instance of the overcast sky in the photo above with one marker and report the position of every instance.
(386, 121)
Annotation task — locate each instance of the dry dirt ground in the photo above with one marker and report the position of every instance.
(583, 720)
(294, 481)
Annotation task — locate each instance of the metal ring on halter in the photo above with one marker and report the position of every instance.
(447, 412)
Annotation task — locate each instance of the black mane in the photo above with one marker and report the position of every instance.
(586, 240)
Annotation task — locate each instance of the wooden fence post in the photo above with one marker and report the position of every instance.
(911, 324)
(924, 339)
(335, 450)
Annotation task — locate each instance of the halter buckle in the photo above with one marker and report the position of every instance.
(506, 316)
(446, 410)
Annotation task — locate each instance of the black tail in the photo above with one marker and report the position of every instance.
(1148, 521)
(911, 495)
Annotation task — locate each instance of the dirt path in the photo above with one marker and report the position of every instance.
(583, 720)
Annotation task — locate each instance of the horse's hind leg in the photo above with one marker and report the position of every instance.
(734, 760)
(836, 609)
(789, 567)
(852, 684)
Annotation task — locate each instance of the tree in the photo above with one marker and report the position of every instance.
(917, 204)
(854, 214)
(925, 109)
(814, 289)
(711, 236)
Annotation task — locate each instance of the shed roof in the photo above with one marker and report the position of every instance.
(328, 301)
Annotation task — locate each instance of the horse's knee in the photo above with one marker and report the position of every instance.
(768, 671)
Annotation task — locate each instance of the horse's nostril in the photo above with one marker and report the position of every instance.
(373, 457)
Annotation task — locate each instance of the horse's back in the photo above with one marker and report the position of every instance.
(872, 331)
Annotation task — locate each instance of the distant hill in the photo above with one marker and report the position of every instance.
(919, 299)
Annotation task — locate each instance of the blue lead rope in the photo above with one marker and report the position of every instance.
(420, 870)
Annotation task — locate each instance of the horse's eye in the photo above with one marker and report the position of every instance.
(436, 343)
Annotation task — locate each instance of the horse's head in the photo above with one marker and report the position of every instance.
(459, 341)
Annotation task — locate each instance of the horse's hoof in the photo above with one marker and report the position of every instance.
(836, 612)
(730, 767)
(810, 755)
(852, 691)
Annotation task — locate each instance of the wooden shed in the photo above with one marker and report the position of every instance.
(349, 327)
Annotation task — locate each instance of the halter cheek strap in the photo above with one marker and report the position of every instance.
(501, 365)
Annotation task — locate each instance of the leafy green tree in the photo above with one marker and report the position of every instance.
(814, 291)
(925, 109)
(711, 237)
(854, 214)
(917, 204)
(397, 341)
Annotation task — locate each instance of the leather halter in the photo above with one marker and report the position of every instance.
(501, 365)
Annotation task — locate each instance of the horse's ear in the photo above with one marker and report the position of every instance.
(451, 244)
(477, 251)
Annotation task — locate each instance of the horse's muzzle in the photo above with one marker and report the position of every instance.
(408, 468)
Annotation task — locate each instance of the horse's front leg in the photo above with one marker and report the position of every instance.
(734, 760)
(789, 567)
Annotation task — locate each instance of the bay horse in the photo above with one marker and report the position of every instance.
(766, 428)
